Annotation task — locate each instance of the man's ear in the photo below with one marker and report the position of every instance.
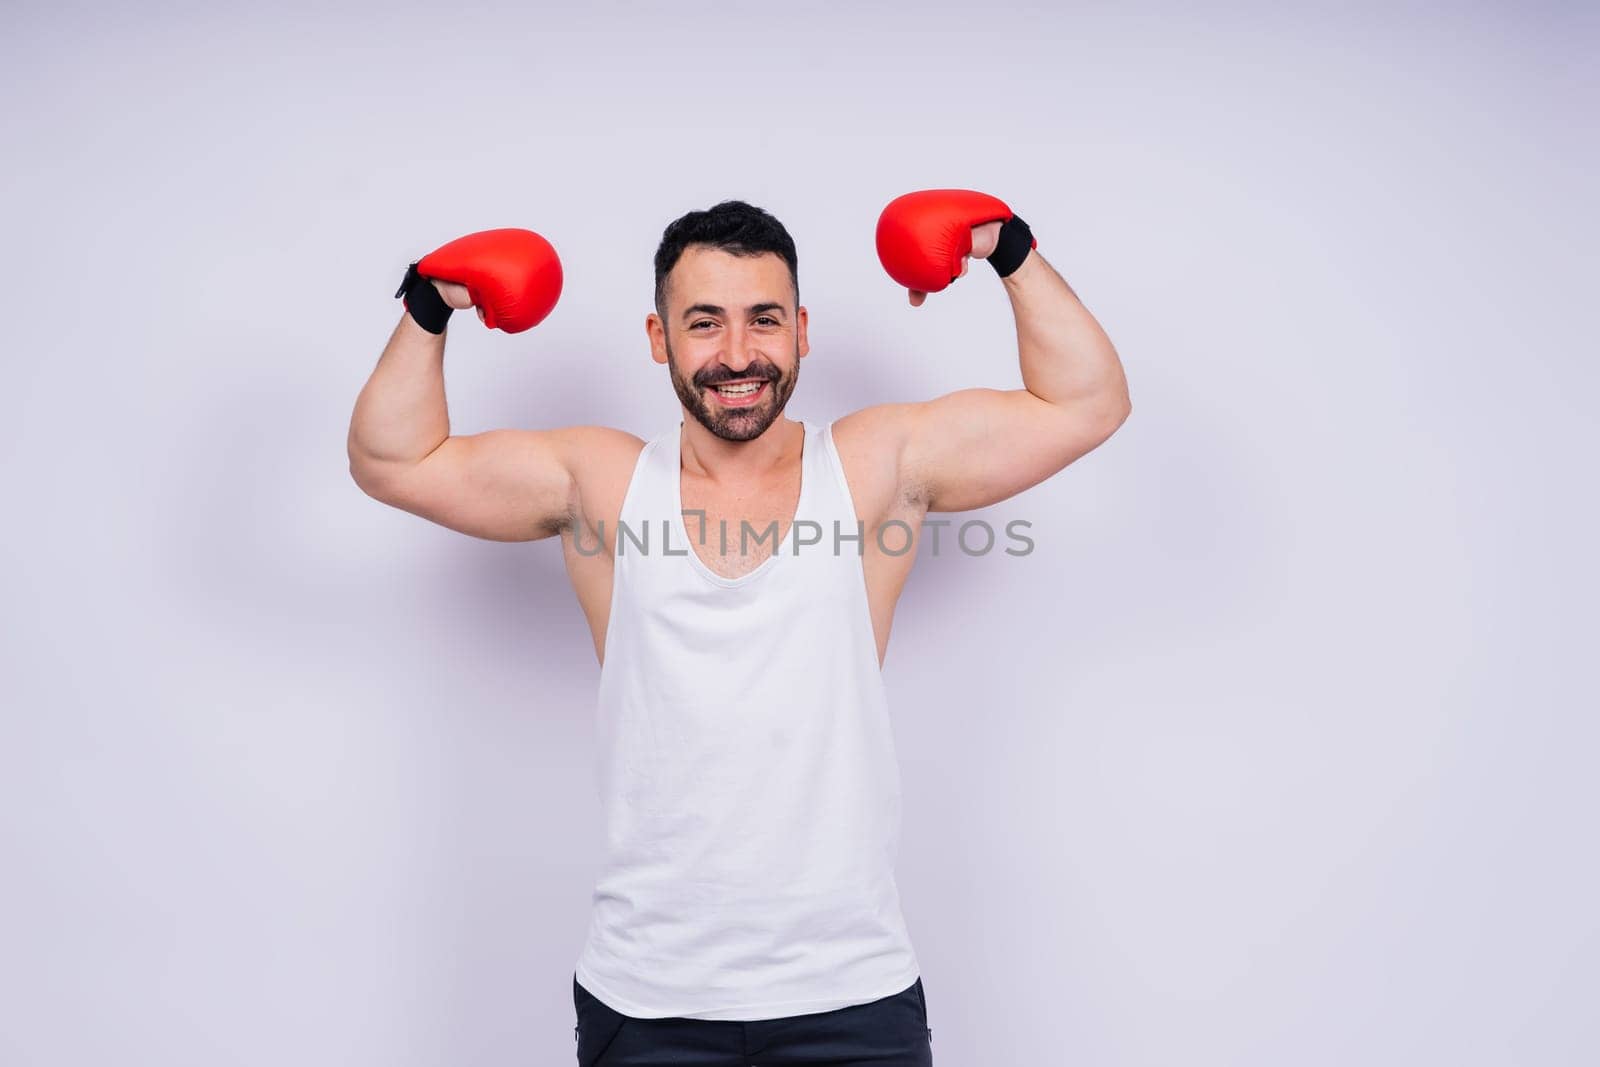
(800, 331)
(658, 337)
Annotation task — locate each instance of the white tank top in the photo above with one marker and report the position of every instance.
(746, 766)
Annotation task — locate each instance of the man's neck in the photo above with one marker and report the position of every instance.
(705, 455)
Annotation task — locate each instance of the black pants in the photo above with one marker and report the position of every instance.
(892, 1031)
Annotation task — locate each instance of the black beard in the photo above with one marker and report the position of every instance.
(744, 424)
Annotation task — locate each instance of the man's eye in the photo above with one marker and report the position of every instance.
(702, 322)
(768, 318)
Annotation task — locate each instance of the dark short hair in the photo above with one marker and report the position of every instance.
(733, 226)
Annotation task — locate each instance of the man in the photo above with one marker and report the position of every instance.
(739, 574)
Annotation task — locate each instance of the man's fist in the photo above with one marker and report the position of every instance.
(512, 276)
(924, 238)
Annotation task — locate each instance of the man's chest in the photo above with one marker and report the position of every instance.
(734, 530)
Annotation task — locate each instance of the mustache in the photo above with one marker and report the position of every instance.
(754, 372)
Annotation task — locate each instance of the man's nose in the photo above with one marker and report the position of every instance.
(742, 349)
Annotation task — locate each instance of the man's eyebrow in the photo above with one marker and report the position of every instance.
(713, 309)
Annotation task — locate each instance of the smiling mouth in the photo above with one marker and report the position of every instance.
(738, 394)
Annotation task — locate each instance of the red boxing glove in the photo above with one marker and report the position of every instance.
(514, 276)
(923, 236)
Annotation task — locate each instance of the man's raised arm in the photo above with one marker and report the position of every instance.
(502, 485)
(977, 447)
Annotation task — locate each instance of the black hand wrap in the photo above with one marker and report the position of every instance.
(1016, 240)
(423, 301)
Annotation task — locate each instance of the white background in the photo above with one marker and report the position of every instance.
(1279, 748)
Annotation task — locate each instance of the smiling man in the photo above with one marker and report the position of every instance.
(740, 599)
(735, 405)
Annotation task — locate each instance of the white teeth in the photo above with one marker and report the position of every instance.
(737, 390)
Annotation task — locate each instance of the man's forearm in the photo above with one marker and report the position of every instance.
(400, 416)
(1067, 358)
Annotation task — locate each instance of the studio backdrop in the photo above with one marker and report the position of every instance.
(1275, 747)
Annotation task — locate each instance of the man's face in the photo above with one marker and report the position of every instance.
(730, 319)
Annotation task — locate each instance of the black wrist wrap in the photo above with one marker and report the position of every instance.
(1016, 240)
(423, 301)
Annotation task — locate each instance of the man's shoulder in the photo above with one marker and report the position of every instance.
(599, 456)
(875, 428)
(870, 443)
(605, 447)
(602, 460)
